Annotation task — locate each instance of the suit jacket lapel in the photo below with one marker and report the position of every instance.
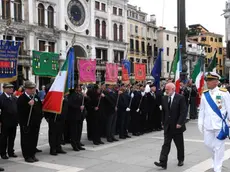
(174, 100)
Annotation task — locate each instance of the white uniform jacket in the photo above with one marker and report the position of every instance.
(208, 119)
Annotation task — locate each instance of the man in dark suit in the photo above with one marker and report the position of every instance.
(9, 121)
(30, 115)
(174, 117)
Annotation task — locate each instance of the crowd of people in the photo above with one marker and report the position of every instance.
(109, 110)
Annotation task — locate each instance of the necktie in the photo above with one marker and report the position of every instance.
(10, 97)
(169, 103)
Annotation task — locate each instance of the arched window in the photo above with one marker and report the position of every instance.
(97, 28)
(115, 32)
(103, 30)
(50, 15)
(41, 15)
(6, 9)
(121, 33)
(18, 10)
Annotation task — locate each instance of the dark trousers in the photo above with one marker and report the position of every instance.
(66, 132)
(135, 122)
(55, 134)
(179, 142)
(75, 132)
(122, 126)
(79, 131)
(143, 122)
(7, 139)
(127, 122)
(96, 126)
(89, 126)
(29, 138)
(111, 125)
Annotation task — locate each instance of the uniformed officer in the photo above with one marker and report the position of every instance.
(8, 120)
(30, 114)
(213, 116)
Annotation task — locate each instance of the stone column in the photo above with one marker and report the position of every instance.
(12, 9)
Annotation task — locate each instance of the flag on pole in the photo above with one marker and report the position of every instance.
(156, 71)
(87, 71)
(212, 65)
(198, 76)
(111, 73)
(177, 69)
(126, 71)
(62, 83)
(140, 71)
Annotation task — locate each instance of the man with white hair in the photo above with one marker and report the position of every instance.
(174, 116)
(213, 116)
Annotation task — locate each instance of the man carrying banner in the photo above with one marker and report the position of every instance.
(213, 118)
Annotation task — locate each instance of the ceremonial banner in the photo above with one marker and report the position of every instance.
(111, 74)
(8, 61)
(126, 71)
(140, 71)
(45, 63)
(87, 71)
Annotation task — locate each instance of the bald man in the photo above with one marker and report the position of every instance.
(173, 121)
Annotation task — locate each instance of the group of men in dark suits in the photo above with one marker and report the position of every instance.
(108, 110)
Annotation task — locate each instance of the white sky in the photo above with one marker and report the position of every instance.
(204, 12)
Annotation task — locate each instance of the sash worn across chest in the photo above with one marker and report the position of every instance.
(224, 133)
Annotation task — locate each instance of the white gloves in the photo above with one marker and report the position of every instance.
(200, 127)
(160, 107)
(132, 95)
(138, 110)
(128, 109)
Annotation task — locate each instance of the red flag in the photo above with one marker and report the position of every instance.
(140, 71)
(111, 73)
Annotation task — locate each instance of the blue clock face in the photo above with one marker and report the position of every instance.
(76, 12)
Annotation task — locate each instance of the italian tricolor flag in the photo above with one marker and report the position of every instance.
(54, 98)
(177, 69)
(198, 76)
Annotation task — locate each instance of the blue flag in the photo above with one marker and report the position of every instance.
(156, 71)
(71, 69)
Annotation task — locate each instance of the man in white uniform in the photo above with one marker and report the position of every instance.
(213, 118)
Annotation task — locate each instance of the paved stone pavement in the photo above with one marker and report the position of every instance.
(131, 155)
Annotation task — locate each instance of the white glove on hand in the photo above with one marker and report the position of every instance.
(200, 127)
(132, 95)
(127, 109)
(142, 93)
(160, 107)
(138, 110)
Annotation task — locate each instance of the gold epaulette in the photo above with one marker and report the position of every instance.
(223, 89)
(205, 91)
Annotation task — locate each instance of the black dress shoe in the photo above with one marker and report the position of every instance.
(53, 152)
(61, 151)
(159, 164)
(35, 159)
(80, 148)
(122, 137)
(38, 150)
(4, 157)
(115, 140)
(76, 149)
(101, 142)
(81, 144)
(96, 143)
(127, 136)
(13, 155)
(29, 160)
(1, 169)
(180, 163)
(110, 140)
